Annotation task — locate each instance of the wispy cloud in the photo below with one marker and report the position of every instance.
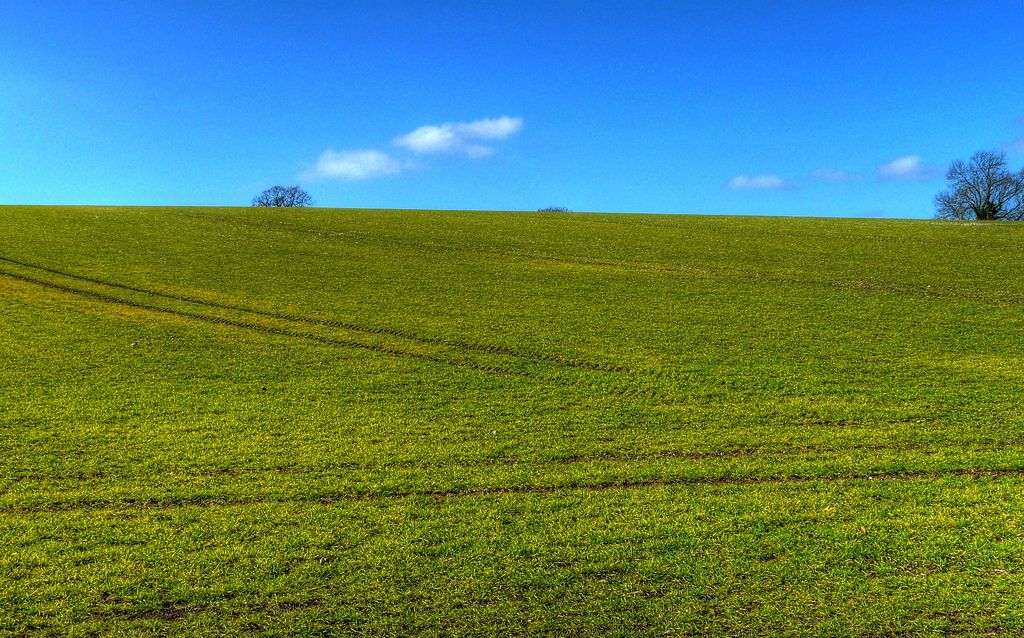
(355, 165)
(758, 182)
(835, 176)
(459, 138)
(906, 168)
(1015, 147)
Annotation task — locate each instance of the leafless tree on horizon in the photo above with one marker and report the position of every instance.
(982, 188)
(283, 196)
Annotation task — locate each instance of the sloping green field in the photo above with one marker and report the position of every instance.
(322, 422)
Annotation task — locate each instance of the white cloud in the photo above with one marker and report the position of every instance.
(493, 129)
(356, 165)
(459, 138)
(758, 182)
(836, 176)
(906, 168)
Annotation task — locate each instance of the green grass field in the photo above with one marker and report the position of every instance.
(321, 422)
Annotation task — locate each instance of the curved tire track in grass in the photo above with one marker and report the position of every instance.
(538, 357)
(270, 330)
(631, 391)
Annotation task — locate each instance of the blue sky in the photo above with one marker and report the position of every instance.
(803, 108)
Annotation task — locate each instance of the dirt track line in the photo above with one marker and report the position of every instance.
(330, 499)
(308, 336)
(344, 468)
(331, 323)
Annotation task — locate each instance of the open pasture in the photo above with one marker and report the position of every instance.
(315, 422)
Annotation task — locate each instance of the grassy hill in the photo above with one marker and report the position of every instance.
(224, 420)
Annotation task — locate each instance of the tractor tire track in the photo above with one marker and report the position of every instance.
(538, 357)
(270, 330)
(343, 468)
(631, 392)
(157, 503)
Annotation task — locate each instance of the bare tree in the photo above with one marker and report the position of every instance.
(982, 188)
(283, 196)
